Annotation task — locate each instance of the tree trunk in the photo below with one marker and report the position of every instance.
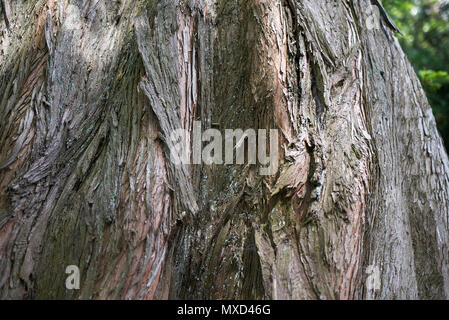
(90, 92)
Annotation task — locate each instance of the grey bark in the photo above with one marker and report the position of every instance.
(91, 90)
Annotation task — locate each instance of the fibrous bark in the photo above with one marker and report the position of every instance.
(91, 90)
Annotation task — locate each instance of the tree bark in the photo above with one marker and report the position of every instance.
(91, 90)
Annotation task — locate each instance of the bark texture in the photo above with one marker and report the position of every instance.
(90, 91)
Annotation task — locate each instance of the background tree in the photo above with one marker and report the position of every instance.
(91, 90)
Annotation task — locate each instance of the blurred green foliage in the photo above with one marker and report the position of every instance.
(425, 24)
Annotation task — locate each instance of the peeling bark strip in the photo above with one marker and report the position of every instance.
(173, 108)
(90, 91)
